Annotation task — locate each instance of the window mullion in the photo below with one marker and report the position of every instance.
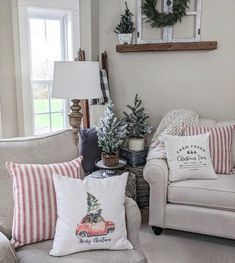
(50, 110)
(165, 29)
(64, 38)
(42, 82)
(65, 55)
(198, 20)
(168, 31)
(44, 113)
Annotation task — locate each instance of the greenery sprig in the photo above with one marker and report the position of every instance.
(126, 25)
(158, 19)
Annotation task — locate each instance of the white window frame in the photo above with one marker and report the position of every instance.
(20, 9)
(167, 34)
(63, 18)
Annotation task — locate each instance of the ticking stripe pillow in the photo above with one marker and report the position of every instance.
(220, 146)
(35, 211)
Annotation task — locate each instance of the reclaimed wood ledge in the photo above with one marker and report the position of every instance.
(174, 46)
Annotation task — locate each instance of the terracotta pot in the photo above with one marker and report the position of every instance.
(110, 160)
(136, 144)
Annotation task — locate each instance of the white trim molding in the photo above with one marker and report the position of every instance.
(55, 4)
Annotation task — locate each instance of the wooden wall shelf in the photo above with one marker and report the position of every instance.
(176, 46)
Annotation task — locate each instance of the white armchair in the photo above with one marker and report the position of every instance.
(55, 147)
(156, 174)
(7, 252)
(199, 206)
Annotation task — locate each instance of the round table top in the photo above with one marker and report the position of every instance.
(121, 163)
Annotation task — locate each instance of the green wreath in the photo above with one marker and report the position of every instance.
(157, 19)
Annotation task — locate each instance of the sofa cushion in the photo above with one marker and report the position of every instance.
(89, 149)
(213, 123)
(53, 148)
(220, 141)
(188, 157)
(90, 214)
(35, 210)
(219, 194)
(227, 123)
(39, 252)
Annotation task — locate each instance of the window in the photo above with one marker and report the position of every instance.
(44, 31)
(187, 31)
(48, 43)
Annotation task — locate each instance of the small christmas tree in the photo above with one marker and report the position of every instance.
(93, 208)
(136, 121)
(111, 131)
(126, 25)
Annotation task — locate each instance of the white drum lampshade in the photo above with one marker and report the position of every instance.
(76, 80)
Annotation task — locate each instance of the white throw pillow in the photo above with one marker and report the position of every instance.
(91, 214)
(188, 157)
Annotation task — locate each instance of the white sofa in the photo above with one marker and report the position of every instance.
(199, 206)
(57, 147)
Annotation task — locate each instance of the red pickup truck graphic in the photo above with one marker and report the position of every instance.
(98, 227)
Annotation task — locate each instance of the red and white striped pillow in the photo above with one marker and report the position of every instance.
(35, 211)
(220, 145)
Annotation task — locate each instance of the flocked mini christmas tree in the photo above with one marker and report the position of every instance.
(126, 25)
(111, 132)
(136, 120)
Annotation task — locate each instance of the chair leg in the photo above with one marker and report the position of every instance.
(157, 230)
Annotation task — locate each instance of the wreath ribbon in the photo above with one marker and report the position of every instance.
(163, 19)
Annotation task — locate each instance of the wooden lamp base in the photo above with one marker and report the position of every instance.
(75, 118)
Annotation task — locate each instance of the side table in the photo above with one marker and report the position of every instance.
(131, 181)
(109, 171)
(142, 187)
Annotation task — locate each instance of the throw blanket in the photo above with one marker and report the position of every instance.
(104, 86)
(97, 106)
(172, 124)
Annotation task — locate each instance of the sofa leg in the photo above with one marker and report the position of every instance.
(157, 230)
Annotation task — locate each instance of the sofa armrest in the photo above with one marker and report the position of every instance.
(133, 222)
(156, 174)
(7, 252)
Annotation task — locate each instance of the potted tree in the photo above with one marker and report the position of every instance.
(137, 126)
(126, 27)
(111, 134)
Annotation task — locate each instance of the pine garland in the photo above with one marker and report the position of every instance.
(111, 132)
(158, 19)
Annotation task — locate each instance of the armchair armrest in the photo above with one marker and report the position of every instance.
(156, 174)
(133, 221)
(7, 252)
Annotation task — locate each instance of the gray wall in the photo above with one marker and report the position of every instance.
(200, 80)
(7, 72)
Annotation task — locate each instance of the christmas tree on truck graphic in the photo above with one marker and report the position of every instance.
(93, 224)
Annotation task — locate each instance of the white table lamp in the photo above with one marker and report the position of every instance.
(76, 80)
